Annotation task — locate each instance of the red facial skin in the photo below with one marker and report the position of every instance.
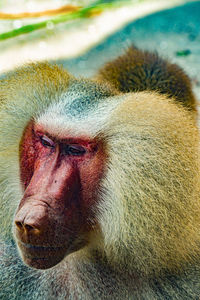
(60, 180)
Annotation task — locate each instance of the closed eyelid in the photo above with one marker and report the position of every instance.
(46, 141)
(73, 149)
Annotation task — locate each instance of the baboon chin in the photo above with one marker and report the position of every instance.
(101, 177)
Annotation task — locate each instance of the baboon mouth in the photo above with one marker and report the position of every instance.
(38, 247)
(41, 257)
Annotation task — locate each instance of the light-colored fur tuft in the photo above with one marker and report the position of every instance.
(146, 243)
(150, 215)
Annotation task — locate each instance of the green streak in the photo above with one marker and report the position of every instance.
(82, 13)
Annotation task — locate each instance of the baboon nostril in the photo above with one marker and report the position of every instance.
(19, 225)
(25, 227)
(28, 227)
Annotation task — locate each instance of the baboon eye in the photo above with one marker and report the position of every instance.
(46, 142)
(75, 150)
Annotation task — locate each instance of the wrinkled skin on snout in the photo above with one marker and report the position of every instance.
(60, 178)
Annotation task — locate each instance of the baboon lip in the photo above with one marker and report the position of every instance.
(41, 252)
(39, 247)
(41, 257)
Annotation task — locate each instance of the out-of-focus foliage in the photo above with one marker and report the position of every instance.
(64, 13)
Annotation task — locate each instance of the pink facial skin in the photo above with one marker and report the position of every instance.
(60, 178)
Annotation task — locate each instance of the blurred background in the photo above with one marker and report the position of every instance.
(82, 35)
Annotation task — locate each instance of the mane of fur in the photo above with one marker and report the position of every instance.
(151, 193)
(146, 244)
